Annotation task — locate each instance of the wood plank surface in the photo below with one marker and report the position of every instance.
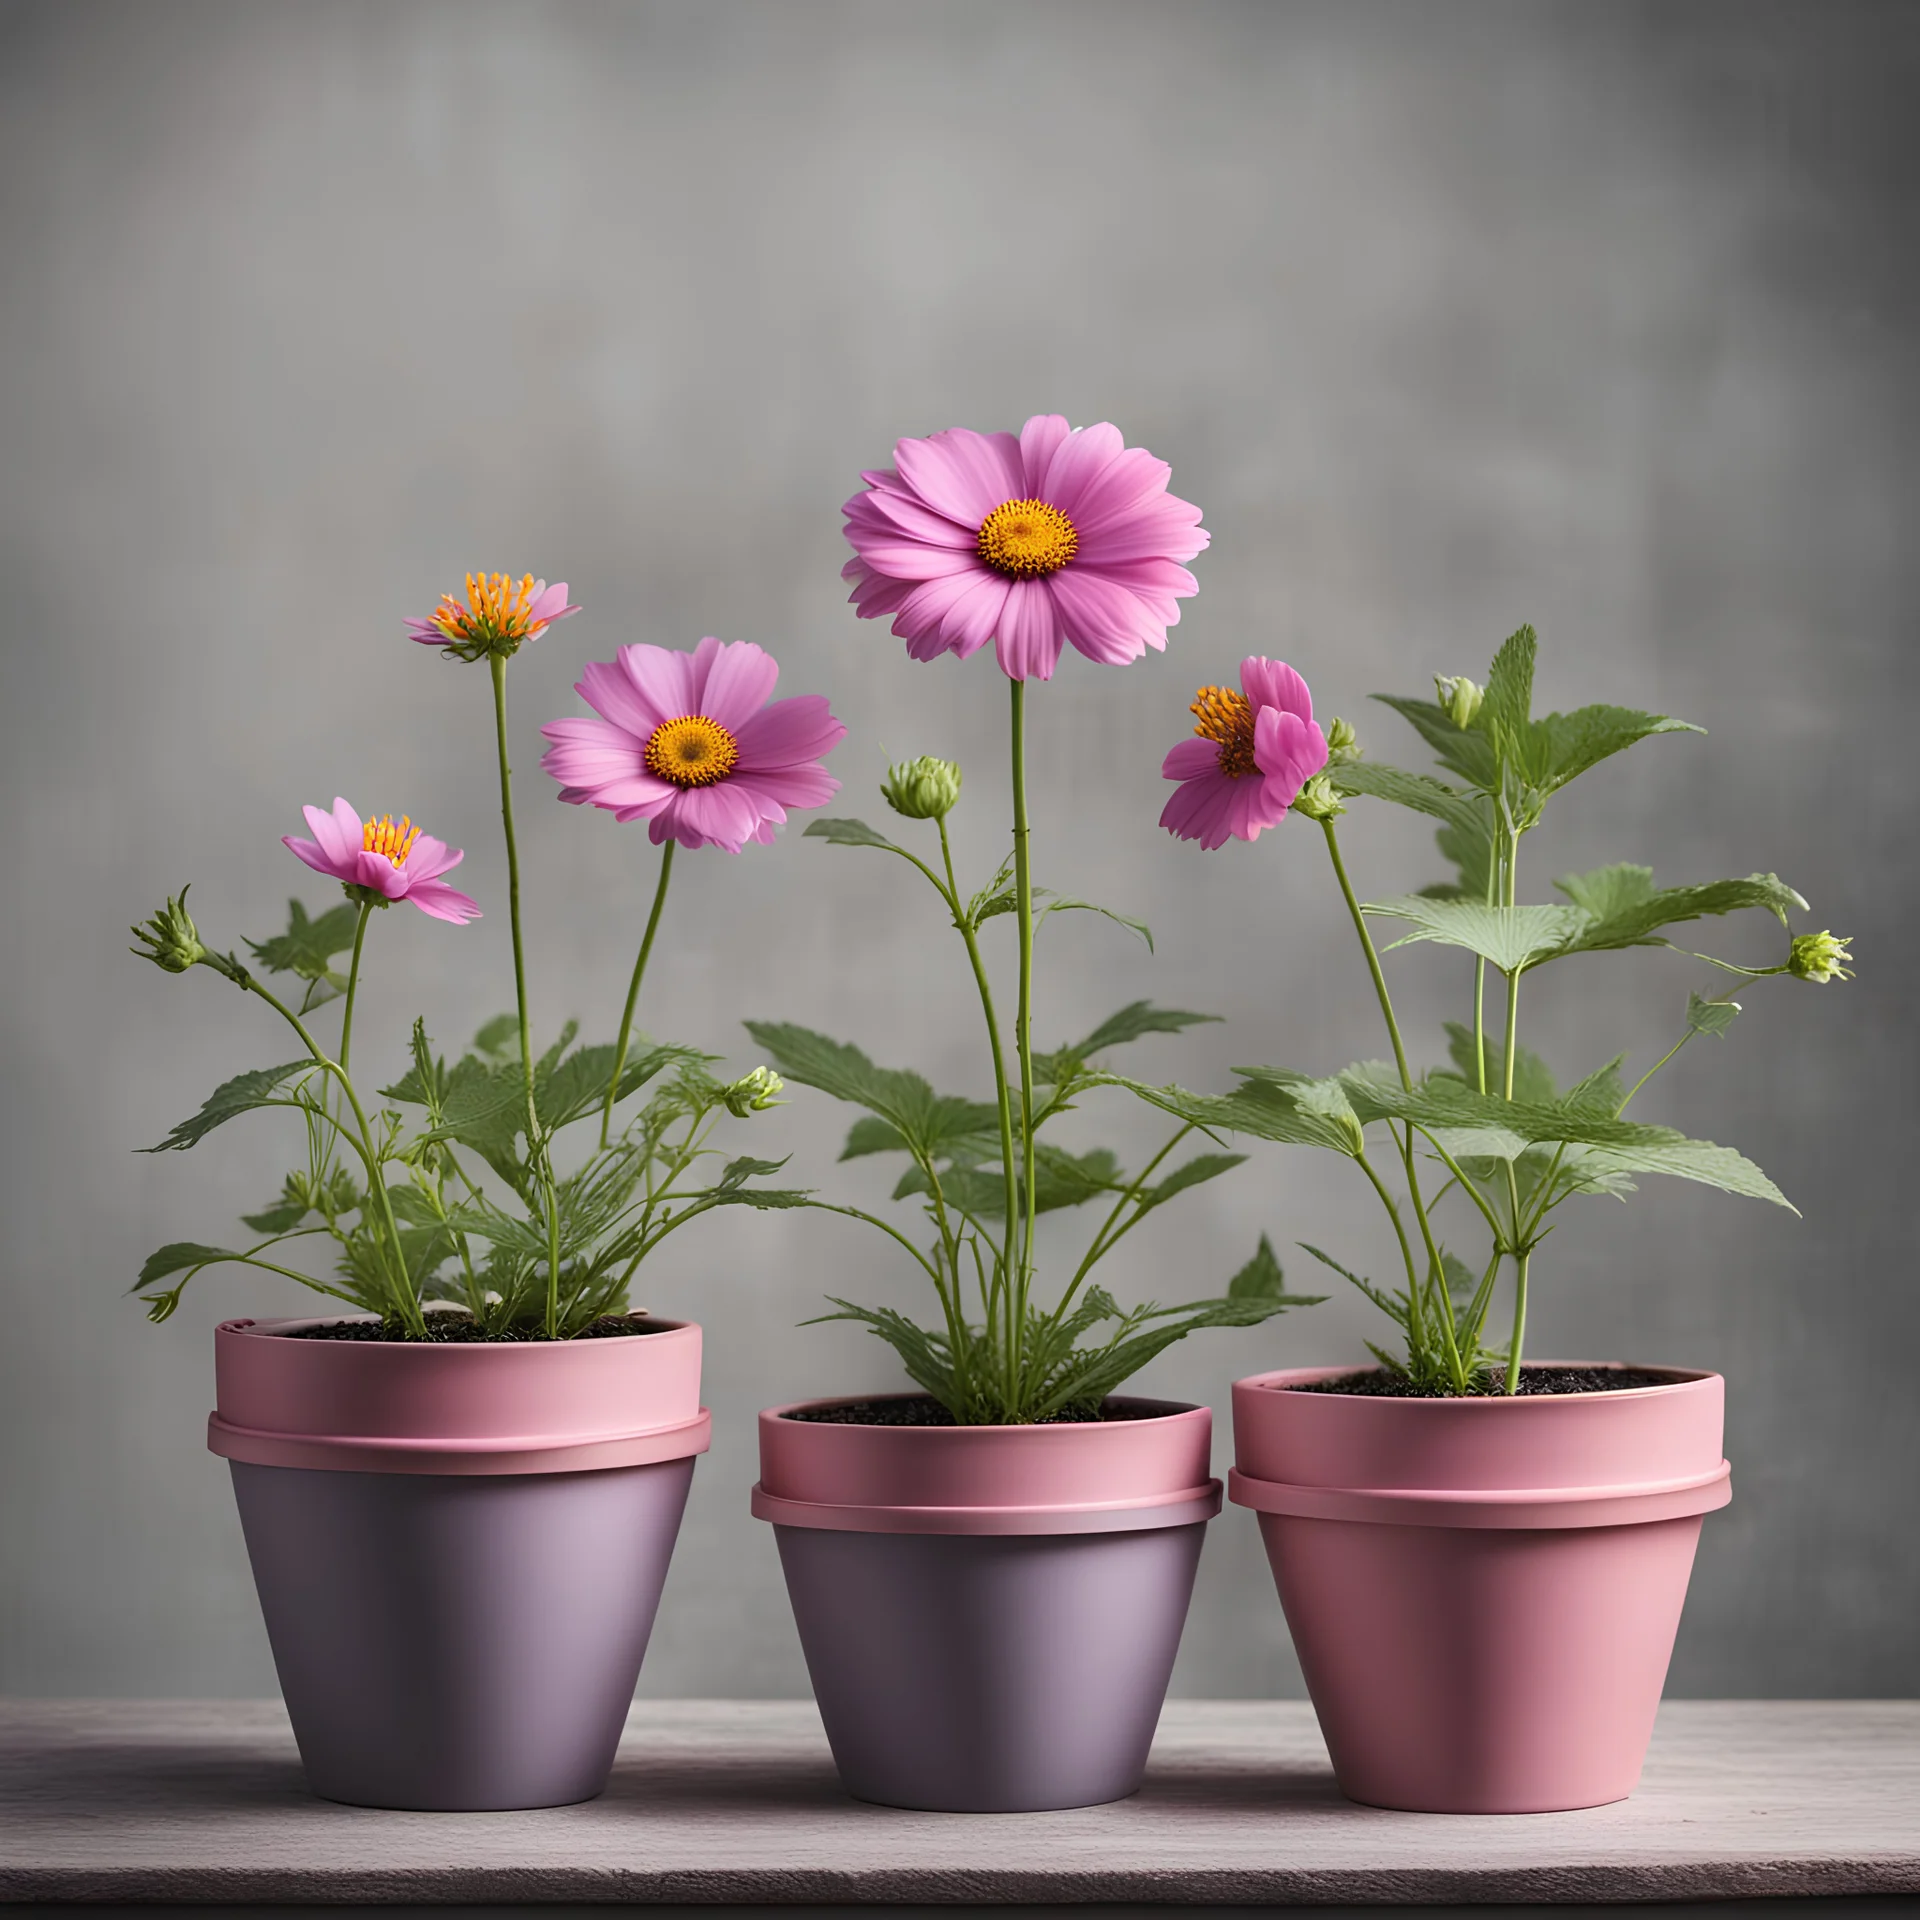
(737, 1801)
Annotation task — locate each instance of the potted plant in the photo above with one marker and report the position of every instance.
(461, 1485)
(990, 1575)
(1482, 1560)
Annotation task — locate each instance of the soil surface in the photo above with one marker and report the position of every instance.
(1377, 1383)
(455, 1329)
(922, 1410)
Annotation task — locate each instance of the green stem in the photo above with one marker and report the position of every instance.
(1393, 1213)
(536, 1146)
(353, 983)
(1519, 1321)
(1651, 1071)
(1480, 1019)
(1023, 1035)
(633, 990)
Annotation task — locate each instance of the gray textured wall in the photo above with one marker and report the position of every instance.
(1450, 315)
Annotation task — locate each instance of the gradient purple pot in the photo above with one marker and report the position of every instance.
(989, 1614)
(459, 1550)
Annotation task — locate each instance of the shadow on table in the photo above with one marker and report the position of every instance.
(150, 1775)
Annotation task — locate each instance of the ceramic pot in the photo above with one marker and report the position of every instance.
(458, 1549)
(1483, 1592)
(989, 1614)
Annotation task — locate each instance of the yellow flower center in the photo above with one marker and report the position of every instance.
(692, 751)
(1225, 716)
(497, 608)
(382, 836)
(1027, 538)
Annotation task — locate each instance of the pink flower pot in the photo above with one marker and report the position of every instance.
(458, 1549)
(989, 1614)
(1483, 1592)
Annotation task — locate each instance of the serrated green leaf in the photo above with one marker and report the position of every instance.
(308, 945)
(1467, 752)
(1563, 746)
(241, 1094)
(1623, 908)
(500, 1037)
(577, 1085)
(180, 1256)
(1061, 1179)
(1393, 1304)
(1272, 1105)
(1532, 1079)
(871, 1134)
(1506, 937)
(1134, 1022)
(1059, 904)
(284, 1214)
(1202, 1167)
(848, 833)
(1710, 1016)
(1261, 1278)
(1507, 710)
(1600, 1092)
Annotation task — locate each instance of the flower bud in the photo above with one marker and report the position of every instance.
(1459, 698)
(1820, 957)
(1319, 799)
(1343, 744)
(923, 789)
(170, 939)
(753, 1092)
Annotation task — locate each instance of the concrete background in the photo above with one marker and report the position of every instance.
(1450, 315)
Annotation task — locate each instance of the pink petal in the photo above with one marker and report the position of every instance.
(912, 560)
(623, 696)
(718, 814)
(1255, 807)
(960, 473)
(1120, 489)
(1191, 759)
(1272, 683)
(1198, 810)
(788, 733)
(1028, 637)
(803, 786)
(316, 857)
(430, 858)
(740, 681)
(662, 683)
(1077, 462)
(896, 514)
(1288, 750)
(378, 874)
(339, 832)
(698, 666)
(1040, 439)
(923, 616)
(970, 622)
(444, 902)
(1159, 530)
(590, 753)
(1103, 620)
(549, 603)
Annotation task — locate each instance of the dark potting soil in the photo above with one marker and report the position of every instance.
(455, 1329)
(1379, 1384)
(922, 1410)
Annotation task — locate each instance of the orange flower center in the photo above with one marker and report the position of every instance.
(496, 608)
(692, 751)
(382, 836)
(1027, 538)
(1225, 716)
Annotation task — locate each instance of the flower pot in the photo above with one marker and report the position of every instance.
(458, 1548)
(990, 1614)
(1483, 1592)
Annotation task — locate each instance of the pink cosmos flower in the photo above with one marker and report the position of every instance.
(688, 743)
(497, 616)
(1055, 536)
(1252, 753)
(396, 862)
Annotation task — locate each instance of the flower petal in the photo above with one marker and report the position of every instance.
(740, 681)
(722, 814)
(960, 473)
(1077, 462)
(787, 733)
(1272, 683)
(339, 832)
(444, 902)
(315, 856)
(1191, 758)
(1028, 636)
(662, 680)
(1289, 751)
(1119, 490)
(1040, 440)
(1198, 810)
(378, 874)
(1102, 619)
(802, 786)
(429, 859)
(623, 695)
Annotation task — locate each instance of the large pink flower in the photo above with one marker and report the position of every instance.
(398, 862)
(1029, 542)
(688, 743)
(1249, 756)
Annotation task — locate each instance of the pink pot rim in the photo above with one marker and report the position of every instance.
(1650, 1494)
(998, 1450)
(398, 1406)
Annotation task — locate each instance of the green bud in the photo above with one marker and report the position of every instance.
(1319, 799)
(1820, 957)
(170, 939)
(1459, 697)
(1343, 744)
(923, 789)
(753, 1092)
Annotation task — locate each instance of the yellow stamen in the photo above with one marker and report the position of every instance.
(496, 609)
(1225, 716)
(692, 751)
(382, 836)
(1027, 538)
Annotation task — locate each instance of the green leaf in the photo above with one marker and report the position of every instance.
(848, 833)
(1134, 1022)
(1261, 1278)
(1059, 904)
(180, 1256)
(926, 1120)
(577, 1085)
(241, 1094)
(1600, 1092)
(1273, 1105)
(308, 945)
(1394, 1305)
(870, 1134)
(1532, 1080)
(1061, 1179)
(1509, 938)
(1202, 1167)
(1467, 752)
(1623, 908)
(1507, 711)
(1564, 745)
(1417, 791)
(1710, 1016)
(923, 1354)
(284, 1214)
(500, 1037)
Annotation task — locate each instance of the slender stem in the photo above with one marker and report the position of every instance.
(1373, 957)
(353, 983)
(536, 1147)
(1519, 1321)
(1513, 1028)
(1001, 1096)
(1023, 1032)
(633, 989)
(1393, 1214)
(1651, 1071)
(1480, 1019)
